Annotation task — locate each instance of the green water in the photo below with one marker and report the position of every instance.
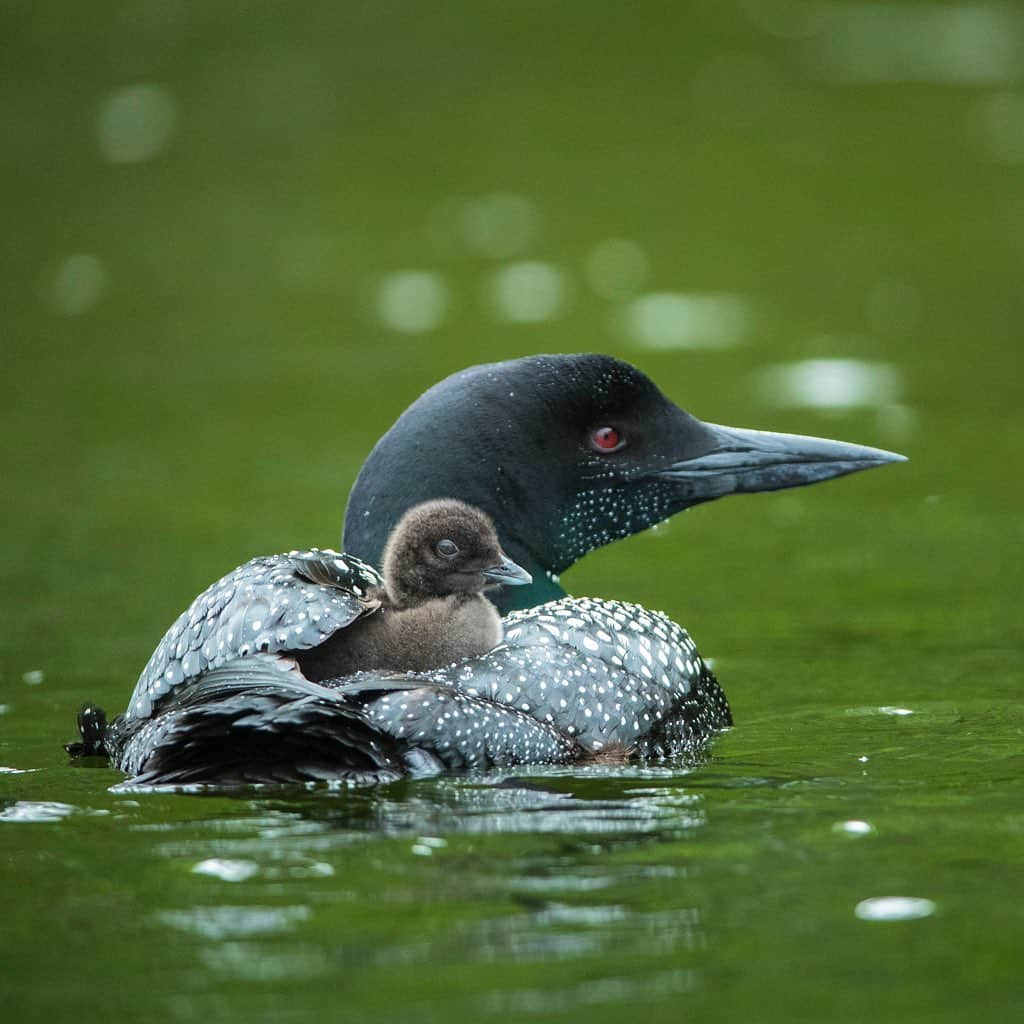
(203, 334)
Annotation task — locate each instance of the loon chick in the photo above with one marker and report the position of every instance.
(437, 563)
(567, 453)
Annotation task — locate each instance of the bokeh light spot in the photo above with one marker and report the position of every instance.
(412, 301)
(529, 292)
(616, 268)
(499, 226)
(968, 44)
(829, 384)
(136, 123)
(78, 284)
(674, 320)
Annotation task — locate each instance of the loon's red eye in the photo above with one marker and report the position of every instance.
(606, 439)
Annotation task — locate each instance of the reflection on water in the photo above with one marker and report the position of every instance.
(894, 908)
(854, 827)
(541, 1002)
(248, 961)
(426, 845)
(39, 811)
(217, 923)
(433, 808)
(226, 870)
(559, 902)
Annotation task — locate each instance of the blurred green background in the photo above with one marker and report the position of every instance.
(239, 239)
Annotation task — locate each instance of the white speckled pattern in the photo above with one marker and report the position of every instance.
(601, 671)
(271, 604)
(221, 701)
(589, 671)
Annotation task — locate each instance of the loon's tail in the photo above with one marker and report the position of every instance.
(92, 727)
(255, 720)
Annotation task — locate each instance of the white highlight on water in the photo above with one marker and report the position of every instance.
(226, 870)
(854, 827)
(894, 908)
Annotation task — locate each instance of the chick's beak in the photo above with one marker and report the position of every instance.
(507, 572)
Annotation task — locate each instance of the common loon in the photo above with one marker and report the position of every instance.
(565, 454)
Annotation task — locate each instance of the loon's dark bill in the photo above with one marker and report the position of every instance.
(508, 573)
(743, 461)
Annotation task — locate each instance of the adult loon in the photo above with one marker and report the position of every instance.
(565, 454)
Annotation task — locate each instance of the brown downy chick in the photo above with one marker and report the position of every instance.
(438, 561)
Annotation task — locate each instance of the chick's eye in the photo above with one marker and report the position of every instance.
(606, 439)
(447, 548)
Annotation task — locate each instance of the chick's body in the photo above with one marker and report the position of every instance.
(437, 564)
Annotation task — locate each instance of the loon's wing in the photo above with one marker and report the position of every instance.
(255, 719)
(605, 673)
(273, 604)
(461, 730)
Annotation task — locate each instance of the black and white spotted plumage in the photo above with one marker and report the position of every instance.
(571, 678)
(603, 672)
(270, 605)
(221, 700)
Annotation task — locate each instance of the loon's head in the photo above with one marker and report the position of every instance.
(567, 453)
(445, 547)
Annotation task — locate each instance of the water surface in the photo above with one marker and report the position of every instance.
(238, 245)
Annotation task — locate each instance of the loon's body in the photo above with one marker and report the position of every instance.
(565, 454)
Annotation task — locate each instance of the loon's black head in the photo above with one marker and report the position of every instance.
(567, 453)
(445, 547)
